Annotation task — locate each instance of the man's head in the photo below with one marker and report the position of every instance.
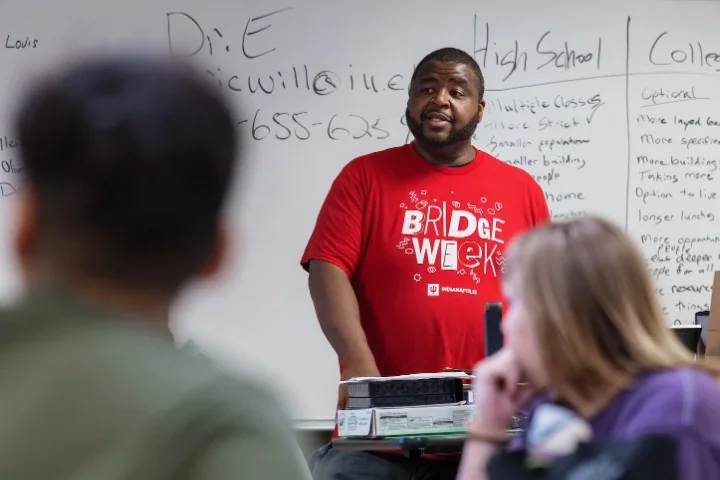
(445, 102)
(128, 161)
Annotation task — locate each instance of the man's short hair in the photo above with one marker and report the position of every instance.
(130, 159)
(454, 55)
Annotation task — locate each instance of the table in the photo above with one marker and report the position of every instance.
(412, 446)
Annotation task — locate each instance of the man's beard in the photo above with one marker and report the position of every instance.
(456, 134)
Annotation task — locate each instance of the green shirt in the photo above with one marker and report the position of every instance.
(86, 394)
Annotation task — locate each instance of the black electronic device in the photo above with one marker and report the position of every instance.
(493, 328)
(387, 393)
(689, 335)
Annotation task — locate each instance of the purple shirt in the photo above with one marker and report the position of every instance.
(682, 403)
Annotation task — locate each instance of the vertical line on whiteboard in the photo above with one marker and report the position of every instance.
(627, 120)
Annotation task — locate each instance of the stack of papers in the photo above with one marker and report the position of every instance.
(414, 376)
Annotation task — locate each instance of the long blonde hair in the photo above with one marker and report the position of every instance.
(593, 302)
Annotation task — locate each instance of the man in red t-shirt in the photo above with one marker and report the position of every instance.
(408, 247)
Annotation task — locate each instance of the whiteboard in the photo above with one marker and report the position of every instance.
(612, 107)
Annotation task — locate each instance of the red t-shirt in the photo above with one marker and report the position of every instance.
(423, 247)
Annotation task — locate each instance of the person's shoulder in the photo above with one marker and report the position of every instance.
(233, 385)
(678, 383)
(398, 151)
(682, 396)
(187, 369)
(376, 161)
(155, 375)
(137, 376)
(513, 176)
(680, 403)
(188, 388)
(509, 172)
(367, 169)
(229, 420)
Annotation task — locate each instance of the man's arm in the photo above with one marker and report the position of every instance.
(331, 257)
(337, 311)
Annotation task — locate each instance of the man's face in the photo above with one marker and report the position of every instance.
(444, 106)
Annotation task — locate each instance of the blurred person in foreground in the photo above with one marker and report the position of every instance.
(128, 161)
(585, 331)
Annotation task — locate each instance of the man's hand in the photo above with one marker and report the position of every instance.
(369, 370)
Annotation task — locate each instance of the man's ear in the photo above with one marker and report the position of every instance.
(481, 110)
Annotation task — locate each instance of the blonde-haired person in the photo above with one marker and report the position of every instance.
(584, 327)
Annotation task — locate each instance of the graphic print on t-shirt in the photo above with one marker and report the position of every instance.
(442, 234)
